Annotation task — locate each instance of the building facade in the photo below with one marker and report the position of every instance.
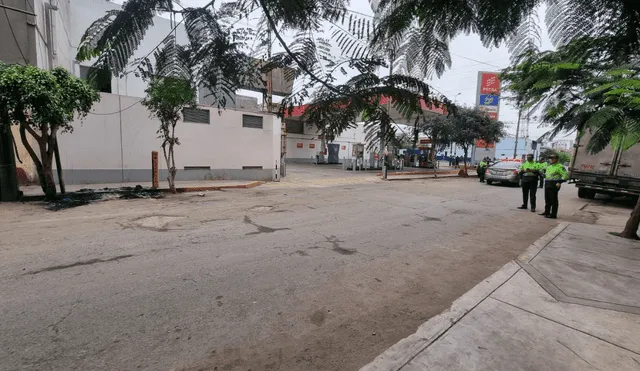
(114, 142)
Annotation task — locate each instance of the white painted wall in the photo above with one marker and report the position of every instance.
(311, 136)
(85, 12)
(224, 145)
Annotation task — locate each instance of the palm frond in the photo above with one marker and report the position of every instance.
(526, 39)
(568, 20)
(115, 37)
(219, 64)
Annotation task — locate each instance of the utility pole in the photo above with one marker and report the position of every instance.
(268, 101)
(383, 131)
(515, 146)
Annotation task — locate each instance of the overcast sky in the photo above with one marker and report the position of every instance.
(459, 83)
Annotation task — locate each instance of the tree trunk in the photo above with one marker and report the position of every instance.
(8, 178)
(463, 172)
(631, 228)
(47, 182)
(172, 170)
(322, 145)
(56, 152)
(49, 187)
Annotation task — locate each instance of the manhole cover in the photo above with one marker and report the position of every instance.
(157, 222)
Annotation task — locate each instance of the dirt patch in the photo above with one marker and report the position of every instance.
(158, 223)
(86, 196)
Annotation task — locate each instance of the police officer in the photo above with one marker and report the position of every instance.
(529, 173)
(555, 175)
(542, 167)
(482, 168)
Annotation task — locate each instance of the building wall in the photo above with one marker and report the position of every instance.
(84, 12)
(17, 33)
(104, 149)
(506, 145)
(306, 154)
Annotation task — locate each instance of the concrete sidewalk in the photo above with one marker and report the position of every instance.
(570, 302)
(181, 186)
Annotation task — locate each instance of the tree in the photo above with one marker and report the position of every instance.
(439, 128)
(469, 125)
(578, 88)
(43, 103)
(169, 92)
(222, 59)
(515, 21)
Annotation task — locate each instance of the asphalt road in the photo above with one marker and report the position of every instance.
(273, 278)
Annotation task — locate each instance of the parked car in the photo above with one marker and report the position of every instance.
(505, 172)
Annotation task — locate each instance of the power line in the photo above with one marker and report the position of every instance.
(116, 112)
(13, 32)
(477, 61)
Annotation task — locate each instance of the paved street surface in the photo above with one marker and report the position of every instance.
(308, 274)
(570, 302)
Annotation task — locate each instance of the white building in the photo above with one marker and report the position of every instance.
(562, 144)
(114, 142)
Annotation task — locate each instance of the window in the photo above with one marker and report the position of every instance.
(294, 127)
(252, 168)
(253, 122)
(197, 167)
(196, 115)
(99, 79)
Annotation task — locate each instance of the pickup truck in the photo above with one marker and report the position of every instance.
(612, 171)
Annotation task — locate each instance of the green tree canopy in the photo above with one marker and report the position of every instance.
(43, 103)
(469, 125)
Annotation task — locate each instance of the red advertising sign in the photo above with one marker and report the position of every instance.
(312, 145)
(425, 141)
(344, 147)
(489, 83)
(493, 115)
(482, 144)
(299, 145)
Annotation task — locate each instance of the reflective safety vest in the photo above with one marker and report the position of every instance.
(529, 165)
(556, 172)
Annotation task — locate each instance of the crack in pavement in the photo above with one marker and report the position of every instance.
(576, 354)
(261, 228)
(79, 263)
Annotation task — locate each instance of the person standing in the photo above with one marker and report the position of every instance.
(529, 174)
(543, 166)
(482, 168)
(555, 175)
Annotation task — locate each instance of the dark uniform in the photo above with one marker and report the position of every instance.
(529, 173)
(543, 166)
(556, 174)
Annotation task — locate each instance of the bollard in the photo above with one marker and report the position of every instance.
(155, 177)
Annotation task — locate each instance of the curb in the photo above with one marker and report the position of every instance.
(419, 173)
(542, 242)
(404, 351)
(429, 176)
(214, 188)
